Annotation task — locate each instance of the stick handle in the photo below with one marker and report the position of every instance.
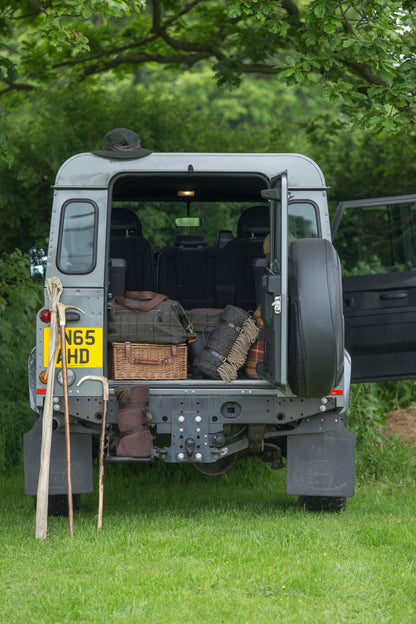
(103, 380)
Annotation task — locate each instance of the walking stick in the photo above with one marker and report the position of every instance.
(54, 288)
(104, 381)
(62, 319)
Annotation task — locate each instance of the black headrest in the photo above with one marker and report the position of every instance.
(190, 240)
(224, 237)
(254, 222)
(124, 219)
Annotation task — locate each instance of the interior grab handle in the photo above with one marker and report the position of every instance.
(394, 295)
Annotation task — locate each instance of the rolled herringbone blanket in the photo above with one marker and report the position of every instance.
(228, 345)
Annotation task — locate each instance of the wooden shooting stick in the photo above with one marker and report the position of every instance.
(54, 288)
(62, 320)
(104, 381)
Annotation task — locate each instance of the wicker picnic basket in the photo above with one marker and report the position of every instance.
(132, 360)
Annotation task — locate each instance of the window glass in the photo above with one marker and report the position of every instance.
(158, 220)
(377, 239)
(77, 249)
(302, 221)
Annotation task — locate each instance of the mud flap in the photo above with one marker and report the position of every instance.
(321, 458)
(81, 460)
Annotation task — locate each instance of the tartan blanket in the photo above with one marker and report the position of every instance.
(256, 351)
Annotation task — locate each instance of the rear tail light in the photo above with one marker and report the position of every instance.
(45, 316)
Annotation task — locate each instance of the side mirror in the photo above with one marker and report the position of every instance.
(38, 257)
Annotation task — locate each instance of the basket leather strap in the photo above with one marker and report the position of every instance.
(137, 360)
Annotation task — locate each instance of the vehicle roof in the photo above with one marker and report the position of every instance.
(87, 170)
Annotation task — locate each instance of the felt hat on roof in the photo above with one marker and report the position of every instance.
(122, 143)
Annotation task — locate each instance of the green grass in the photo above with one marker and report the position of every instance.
(179, 547)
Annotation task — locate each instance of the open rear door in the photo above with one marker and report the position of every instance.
(376, 242)
(273, 294)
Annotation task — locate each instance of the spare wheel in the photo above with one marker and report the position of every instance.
(316, 321)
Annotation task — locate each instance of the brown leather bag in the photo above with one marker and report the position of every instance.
(134, 439)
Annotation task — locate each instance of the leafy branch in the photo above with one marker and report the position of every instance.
(361, 54)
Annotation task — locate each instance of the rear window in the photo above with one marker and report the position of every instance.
(77, 247)
(157, 220)
(302, 221)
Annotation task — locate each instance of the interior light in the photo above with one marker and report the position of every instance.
(45, 316)
(186, 193)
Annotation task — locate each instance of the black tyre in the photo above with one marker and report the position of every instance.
(58, 504)
(316, 321)
(217, 468)
(323, 503)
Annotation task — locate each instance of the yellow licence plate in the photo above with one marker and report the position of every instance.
(84, 347)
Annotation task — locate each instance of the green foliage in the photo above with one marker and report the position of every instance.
(15, 421)
(366, 415)
(380, 457)
(369, 403)
(360, 54)
(360, 164)
(7, 70)
(372, 267)
(6, 152)
(59, 22)
(188, 114)
(391, 462)
(20, 299)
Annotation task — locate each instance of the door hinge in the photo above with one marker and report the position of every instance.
(277, 304)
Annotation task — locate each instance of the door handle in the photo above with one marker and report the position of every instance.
(277, 304)
(394, 295)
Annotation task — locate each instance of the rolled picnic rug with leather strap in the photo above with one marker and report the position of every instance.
(228, 345)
